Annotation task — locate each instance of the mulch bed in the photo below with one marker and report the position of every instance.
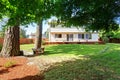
(20, 71)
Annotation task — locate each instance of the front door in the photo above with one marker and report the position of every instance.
(69, 37)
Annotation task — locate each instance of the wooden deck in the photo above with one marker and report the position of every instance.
(92, 42)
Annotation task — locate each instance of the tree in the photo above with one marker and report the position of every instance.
(94, 14)
(53, 23)
(10, 45)
(19, 13)
(38, 39)
(23, 33)
(117, 35)
(2, 32)
(44, 9)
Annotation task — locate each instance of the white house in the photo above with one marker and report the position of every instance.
(33, 35)
(63, 34)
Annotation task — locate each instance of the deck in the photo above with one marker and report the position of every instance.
(90, 42)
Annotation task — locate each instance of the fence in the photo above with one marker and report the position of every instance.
(22, 41)
(26, 41)
(1, 40)
(114, 40)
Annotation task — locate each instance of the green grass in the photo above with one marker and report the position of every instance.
(100, 62)
(27, 47)
(76, 49)
(69, 49)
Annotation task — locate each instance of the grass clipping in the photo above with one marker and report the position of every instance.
(9, 64)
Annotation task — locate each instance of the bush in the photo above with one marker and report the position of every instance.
(96, 43)
(9, 64)
(43, 42)
(105, 39)
(117, 35)
(0, 47)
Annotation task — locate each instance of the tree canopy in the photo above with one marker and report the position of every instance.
(22, 12)
(25, 11)
(94, 14)
(23, 33)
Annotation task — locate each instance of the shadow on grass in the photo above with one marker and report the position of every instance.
(98, 67)
(103, 66)
(3, 71)
(36, 77)
(6, 70)
(77, 49)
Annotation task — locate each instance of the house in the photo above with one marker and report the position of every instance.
(63, 34)
(33, 35)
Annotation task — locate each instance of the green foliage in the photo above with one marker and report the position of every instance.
(23, 33)
(105, 39)
(22, 12)
(9, 64)
(110, 34)
(53, 23)
(0, 47)
(43, 42)
(117, 34)
(1, 34)
(94, 14)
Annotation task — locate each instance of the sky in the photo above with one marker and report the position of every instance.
(31, 28)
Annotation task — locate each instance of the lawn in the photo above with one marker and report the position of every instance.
(67, 50)
(99, 62)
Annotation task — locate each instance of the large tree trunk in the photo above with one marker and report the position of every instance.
(38, 39)
(11, 46)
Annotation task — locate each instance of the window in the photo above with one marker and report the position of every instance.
(88, 36)
(71, 35)
(58, 35)
(80, 36)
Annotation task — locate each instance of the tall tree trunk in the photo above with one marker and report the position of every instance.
(11, 46)
(38, 39)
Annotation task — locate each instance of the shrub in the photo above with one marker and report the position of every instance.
(0, 47)
(117, 35)
(96, 43)
(9, 64)
(43, 42)
(105, 39)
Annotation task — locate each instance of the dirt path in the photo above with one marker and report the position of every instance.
(43, 63)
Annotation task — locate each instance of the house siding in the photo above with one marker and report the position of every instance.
(94, 37)
(65, 34)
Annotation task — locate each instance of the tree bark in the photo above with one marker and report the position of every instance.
(11, 45)
(38, 39)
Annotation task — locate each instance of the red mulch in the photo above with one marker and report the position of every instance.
(21, 71)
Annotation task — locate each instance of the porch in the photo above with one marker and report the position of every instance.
(83, 42)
